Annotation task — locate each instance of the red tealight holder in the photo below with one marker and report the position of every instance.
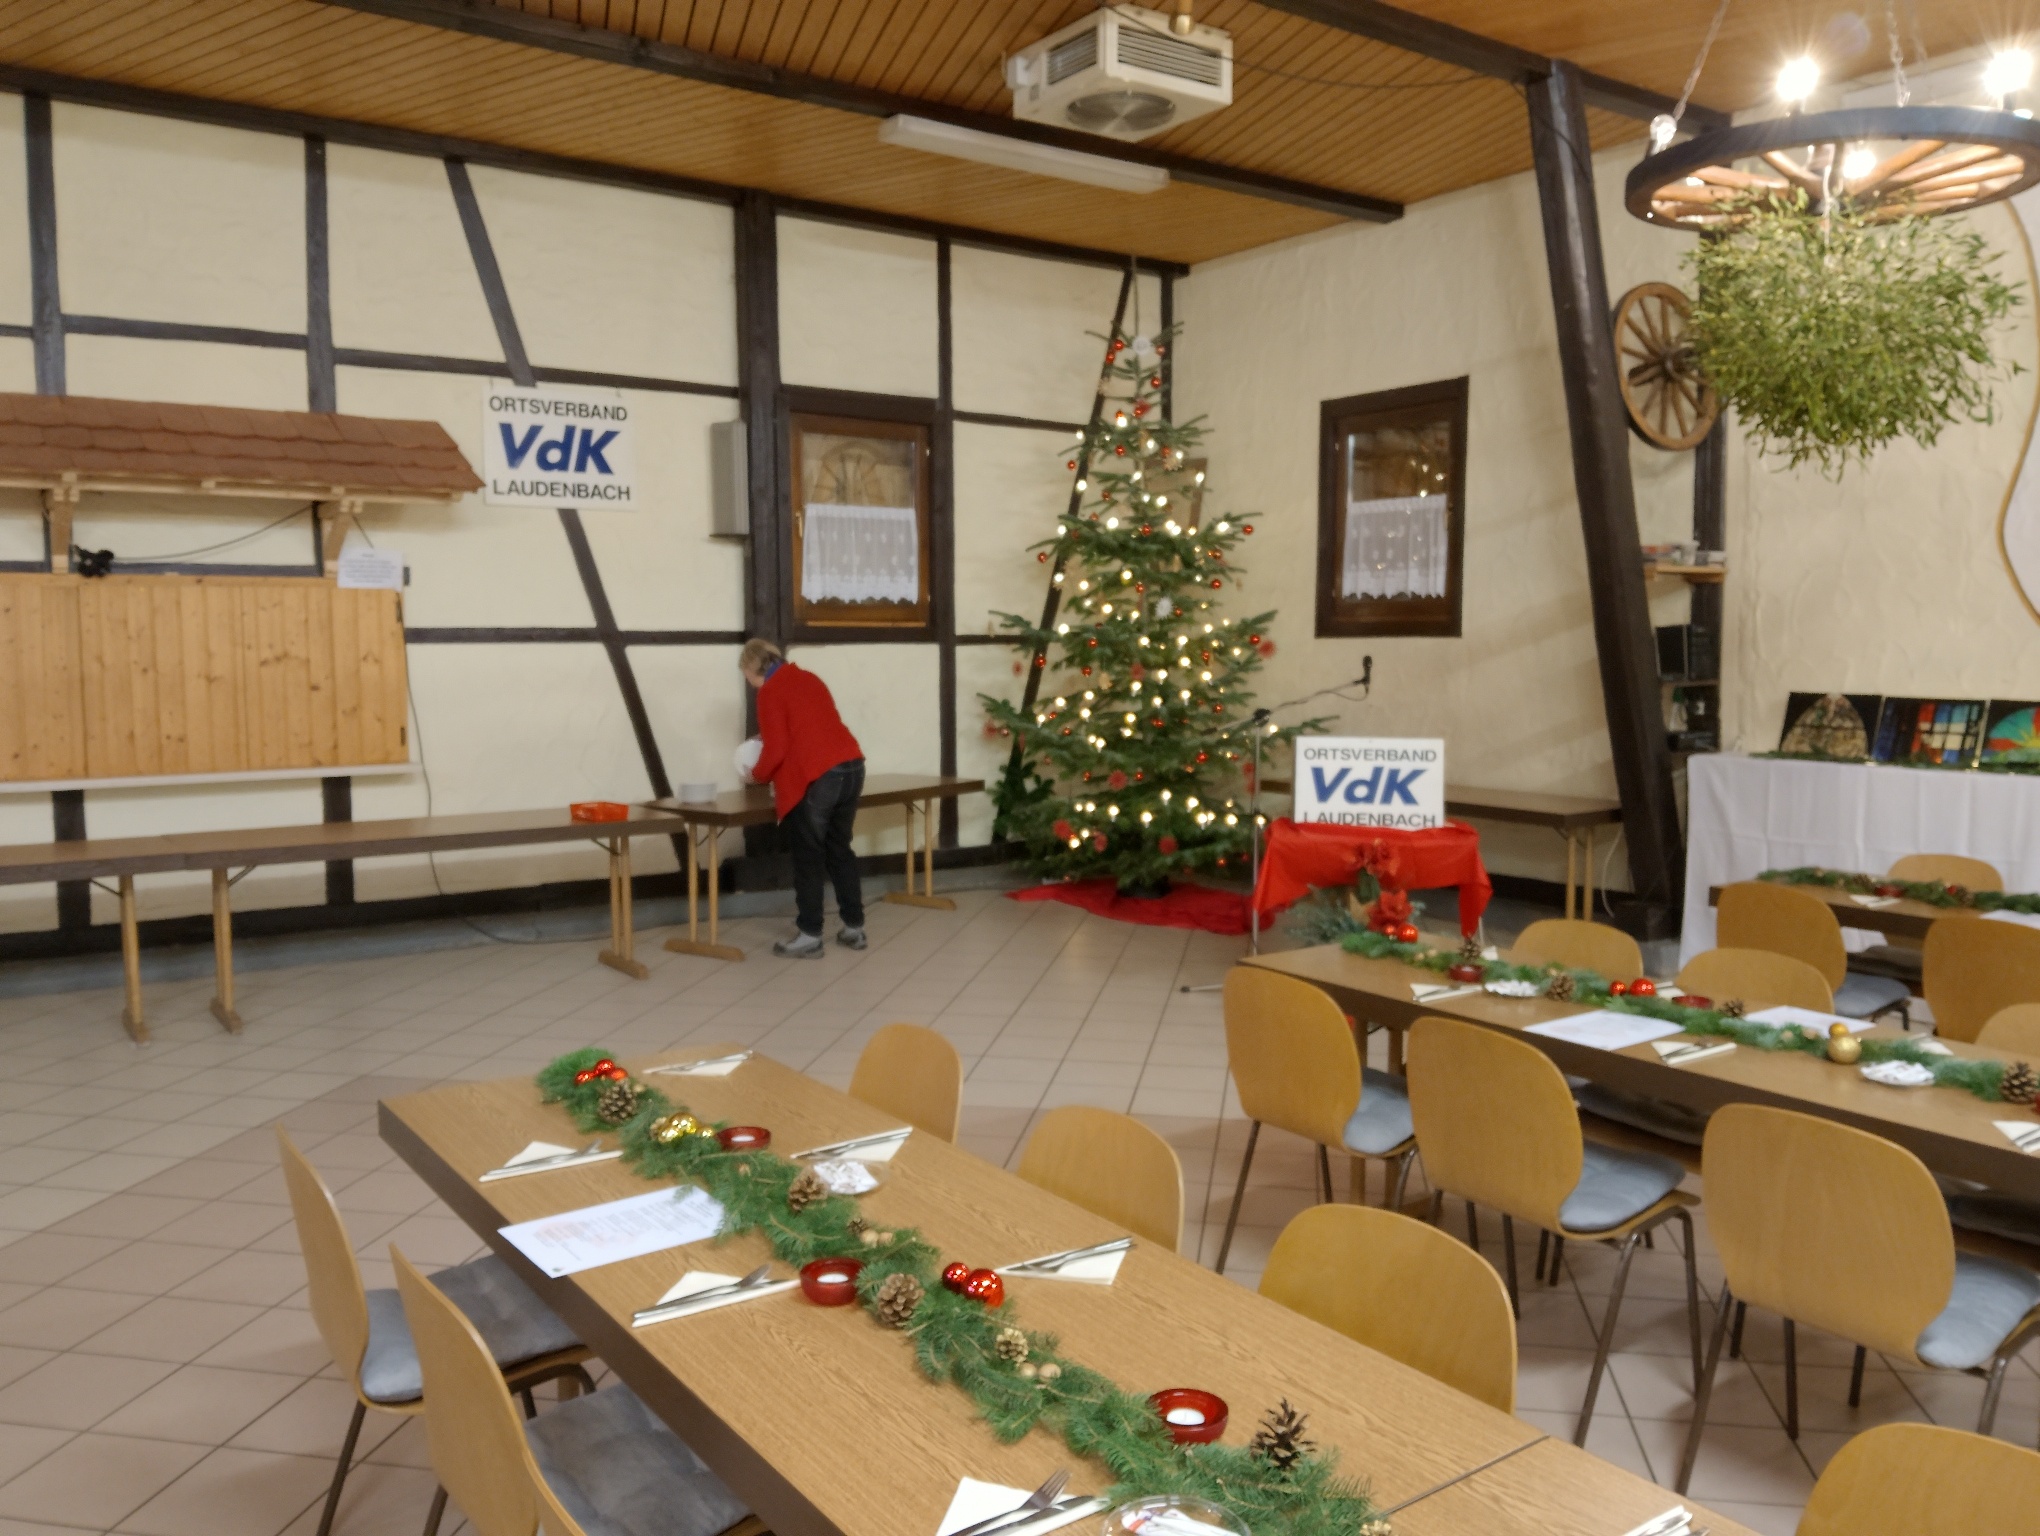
(744, 1138)
(1194, 1416)
(1693, 1000)
(830, 1282)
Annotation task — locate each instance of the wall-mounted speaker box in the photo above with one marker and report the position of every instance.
(729, 475)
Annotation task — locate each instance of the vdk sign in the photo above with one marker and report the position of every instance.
(557, 447)
(1370, 781)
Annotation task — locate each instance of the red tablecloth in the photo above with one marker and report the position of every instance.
(1299, 857)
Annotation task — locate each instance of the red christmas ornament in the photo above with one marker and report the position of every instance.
(1157, 721)
(1042, 661)
(1140, 408)
(1407, 934)
(1117, 780)
(985, 1285)
(1618, 989)
(1200, 757)
(1120, 449)
(1098, 841)
(1887, 890)
(955, 1277)
(1643, 986)
(1155, 382)
(1087, 670)
(1266, 648)
(1253, 639)
(1066, 730)
(1214, 581)
(617, 1075)
(1062, 829)
(1144, 528)
(1042, 557)
(1138, 672)
(604, 1065)
(1167, 844)
(1246, 527)
(1071, 464)
(588, 1076)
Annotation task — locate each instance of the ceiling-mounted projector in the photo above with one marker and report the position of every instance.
(1122, 72)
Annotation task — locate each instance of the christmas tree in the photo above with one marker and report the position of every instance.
(1130, 747)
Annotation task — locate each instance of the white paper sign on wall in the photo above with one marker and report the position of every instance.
(372, 570)
(1370, 781)
(552, 446)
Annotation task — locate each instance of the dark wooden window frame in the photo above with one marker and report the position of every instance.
(1340, 617)
(851, 411)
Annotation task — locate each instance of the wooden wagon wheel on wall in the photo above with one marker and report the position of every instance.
(1669, 403)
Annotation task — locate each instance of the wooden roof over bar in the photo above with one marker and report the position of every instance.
(1358, 100)
(71, 443)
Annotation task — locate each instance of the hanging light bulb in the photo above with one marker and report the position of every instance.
(2007, 73)
(1858, 163)
(1662, 127)
(1797, 80)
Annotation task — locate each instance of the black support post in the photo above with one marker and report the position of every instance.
(1607, 500)
(338, 795)
(757, 237)
(74, 897)
(321, 390)
(942, 531)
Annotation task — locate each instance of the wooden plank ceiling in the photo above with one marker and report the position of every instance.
(1312, 103)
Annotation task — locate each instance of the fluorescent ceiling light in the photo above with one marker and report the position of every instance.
(935, 138)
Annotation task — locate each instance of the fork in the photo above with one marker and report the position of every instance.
(680, 1305)
(1036, 1501)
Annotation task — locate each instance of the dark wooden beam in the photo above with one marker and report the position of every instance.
(942, 531)
(337, 804)
(1600, 452)
(1483, 55)
(481, 18)
(757, 254)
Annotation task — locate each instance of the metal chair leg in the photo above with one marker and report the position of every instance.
(1437, 1206)
(438, 1509)
(1791, 1381)
(1692, 1453)
(1856, 1377)
(530, 1403)
(1509, 1265)
(1607, 1338)
(1472, 1227)
(1557, 1254)
(1685, 1220)
(1239, 1192)
(1324, 1169)
(1735, 1340)
(1402, 1179)
(1543, 1251)
(1994, 1385)
(340, 1466)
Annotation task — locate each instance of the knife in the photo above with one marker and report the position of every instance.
(1052, 1261)
(1033, 1504)
(681, 1305)
(591, 1153)
(1061, 1513)
(837, 1148)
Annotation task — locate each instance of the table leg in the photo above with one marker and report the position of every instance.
(622, 934)
(131, 962)
(692, 944)
(223, 953)
(1587, 877)
(1572, 849)
(925, 896)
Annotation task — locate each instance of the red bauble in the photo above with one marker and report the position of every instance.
(1042, 661)
(985, 1285)
(1694, 1000)
(1407, 934)
(1098, 841)
(1144, 528)
(1887, 890)
(1266, 648)
(1120, 449)
(1167, 844)
(1139, 774)
(1643, 986)
(604, 1065)
(1200, 757)
(588, 1076)
(1466, 970)
(1618, 989)
(955, 1277)
(1072, 464)
(1215, 581)
(1246, 527)
(1042, 556)
(1087, 670)
(1062, 829)
(1117, 779)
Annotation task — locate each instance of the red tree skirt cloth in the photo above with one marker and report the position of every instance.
(1300, 856)
(1186, 906)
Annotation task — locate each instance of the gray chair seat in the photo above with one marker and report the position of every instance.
(1661, 1117)
(512, 1321)
(619, 1471)
(1990, 1299)
(1898, 960)
(1981, 1209)
(1862, 997)
(1382, 1122)
(1616, 1184)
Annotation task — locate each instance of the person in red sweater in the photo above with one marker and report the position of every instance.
(816, 770)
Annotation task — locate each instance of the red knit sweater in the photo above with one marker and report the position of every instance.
(803, 736)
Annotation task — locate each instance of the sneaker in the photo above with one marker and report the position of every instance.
(852, 938)
(802, 946)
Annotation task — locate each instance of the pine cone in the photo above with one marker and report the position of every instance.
(2019, 1085)
(857, 1226)
(1734, 1008)
(1469, 947)
(1560, 988)
(805, 1190)
(1010, 1346)
(898, 1297)
(619, 1101)
(1280, 1440)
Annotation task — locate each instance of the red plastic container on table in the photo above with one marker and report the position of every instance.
(599, 810)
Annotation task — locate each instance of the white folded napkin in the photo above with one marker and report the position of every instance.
(1673, 1522)
(2023, 1134)
(845, 1176)
(698, 1280)
(720, 1067)
(1897, 1074)
(2029, 919)
(1432, 992)
(1098, 1269)
(870, 1151)
(541, 1153)
(976, 1502)
(1875, 901)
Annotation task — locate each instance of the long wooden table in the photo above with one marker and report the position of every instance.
(1950, 1131)
(753, 806)
(817, 1417)
(121, 859)
(1902, 919)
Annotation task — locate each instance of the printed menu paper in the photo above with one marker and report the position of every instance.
(596, 1235)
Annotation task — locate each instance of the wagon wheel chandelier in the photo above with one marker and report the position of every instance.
(1880, 162)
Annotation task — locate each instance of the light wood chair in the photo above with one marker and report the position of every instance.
(1295, 1063)
(1987, 1220)
(1580, 946)
(364, 1330)
(1496, 1125)
(1112, 1165)
(1973, 968)
(1901, 957)
(1832, 1226)
(2014, 1028)
(1756, 976)
(1787, 920)
(495, 1464)
(1403, 1287)
(1924, 1480)
(913, 1073)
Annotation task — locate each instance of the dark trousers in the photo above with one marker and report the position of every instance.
(819, 829)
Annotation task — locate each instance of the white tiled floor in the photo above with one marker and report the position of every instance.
(159, 1374)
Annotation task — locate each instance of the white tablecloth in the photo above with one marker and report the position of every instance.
(1745, 815)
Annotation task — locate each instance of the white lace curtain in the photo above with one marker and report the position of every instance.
(860, 554)
(1396, 547)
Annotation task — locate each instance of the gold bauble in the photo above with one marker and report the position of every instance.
(1838, 1029)
(670, 1128)
(1844, 1048)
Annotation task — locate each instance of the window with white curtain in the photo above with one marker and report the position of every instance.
(1392, 512)
(860, 528)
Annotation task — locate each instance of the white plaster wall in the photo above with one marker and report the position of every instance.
(402, 278)
(27, 908)
(21, 525)
(207, 808)
(15, 305)
(889, 697)
(203, 530)
(165, 220)
(1011, 490)
(17, 353)
(694, 696)
(186, 372)
(856, 309)
(612, 280)
(1024, 342)
(982, 669)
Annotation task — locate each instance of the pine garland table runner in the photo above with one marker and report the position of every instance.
(958, 1339)
(1933, 893)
